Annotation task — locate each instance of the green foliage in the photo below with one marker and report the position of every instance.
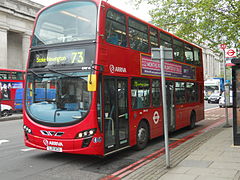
(199, 21)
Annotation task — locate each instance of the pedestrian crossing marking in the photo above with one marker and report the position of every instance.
(3, 141)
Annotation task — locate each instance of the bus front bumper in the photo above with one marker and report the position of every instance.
(90, 146)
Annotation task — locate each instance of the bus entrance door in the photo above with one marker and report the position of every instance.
(170, 105)
(115, 113)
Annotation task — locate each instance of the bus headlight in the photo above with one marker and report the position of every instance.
(27, 129)
(91, 132)
(86, 134)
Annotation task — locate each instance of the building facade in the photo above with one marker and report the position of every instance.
(16, 24)
(213, 65)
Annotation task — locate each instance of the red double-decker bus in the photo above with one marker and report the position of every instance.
(11, 90)
(92, 87)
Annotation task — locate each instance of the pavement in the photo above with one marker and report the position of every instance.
(216, 159)
(208, 156)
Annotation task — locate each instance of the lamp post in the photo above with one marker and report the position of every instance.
(226, 90)
(226, 86)
(162, 54)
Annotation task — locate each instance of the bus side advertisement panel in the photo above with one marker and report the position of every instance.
(172, 69)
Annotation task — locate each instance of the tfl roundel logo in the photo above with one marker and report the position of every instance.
(156, 117)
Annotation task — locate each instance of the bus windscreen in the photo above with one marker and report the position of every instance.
(66, 22)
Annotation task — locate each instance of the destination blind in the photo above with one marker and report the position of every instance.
(57, 57)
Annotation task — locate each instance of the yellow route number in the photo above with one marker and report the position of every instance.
(77, 57)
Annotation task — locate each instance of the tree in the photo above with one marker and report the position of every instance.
(211, 22)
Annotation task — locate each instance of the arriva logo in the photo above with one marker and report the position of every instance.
(55, 143)
(114, 69)
(52, 143)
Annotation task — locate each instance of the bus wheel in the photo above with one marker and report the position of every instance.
(192, 120)
(142, 135)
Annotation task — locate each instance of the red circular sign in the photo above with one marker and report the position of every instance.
(231, 52)
(223, 46)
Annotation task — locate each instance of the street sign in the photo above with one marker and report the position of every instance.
(235, 61)
(223, 46)
(229, 62)
(167, 54)
(231, 53)
(156, 54)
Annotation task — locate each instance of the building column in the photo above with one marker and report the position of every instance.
(3, 48)
(25, 49)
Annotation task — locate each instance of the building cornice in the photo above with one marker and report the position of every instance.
(25, 9)
(29, 3)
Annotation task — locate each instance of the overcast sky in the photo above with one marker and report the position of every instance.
(125, 5)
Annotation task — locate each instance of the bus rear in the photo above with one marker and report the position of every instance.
(11, 90)
(60, 113)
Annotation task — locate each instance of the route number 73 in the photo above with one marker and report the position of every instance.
(77, 57)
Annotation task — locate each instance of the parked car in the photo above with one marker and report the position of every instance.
(6, 110)
(214, 98)
(222, 100)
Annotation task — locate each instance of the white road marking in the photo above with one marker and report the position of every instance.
(28, 149)
(3, 141)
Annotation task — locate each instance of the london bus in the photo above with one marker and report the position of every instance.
(11, 90)
(102, 89)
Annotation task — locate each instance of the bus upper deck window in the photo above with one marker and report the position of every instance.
(66, 22)
(116, 28)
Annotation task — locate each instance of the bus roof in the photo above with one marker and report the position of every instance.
(123, 12)
(145, 22)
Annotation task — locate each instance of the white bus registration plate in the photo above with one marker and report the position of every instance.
(55, 149)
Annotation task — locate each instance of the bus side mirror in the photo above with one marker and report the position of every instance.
(92, 82)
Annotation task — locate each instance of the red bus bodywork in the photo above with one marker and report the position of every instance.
(118, 62)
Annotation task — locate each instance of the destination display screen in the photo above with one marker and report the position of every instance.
(57, 57)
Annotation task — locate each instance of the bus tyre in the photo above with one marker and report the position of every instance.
(142, 135)
(192, 120)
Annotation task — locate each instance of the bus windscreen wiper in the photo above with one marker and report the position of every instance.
(54, 71)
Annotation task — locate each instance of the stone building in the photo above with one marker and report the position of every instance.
(212, 64)
(16, 24)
